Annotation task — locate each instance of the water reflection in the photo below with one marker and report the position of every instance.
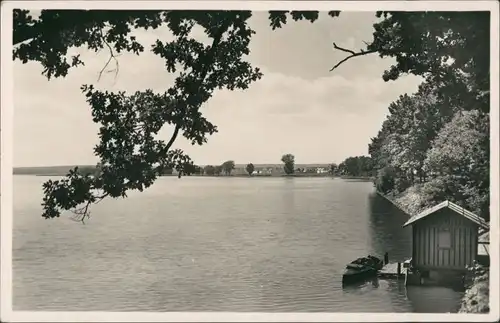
(386, 229)
(425, 299)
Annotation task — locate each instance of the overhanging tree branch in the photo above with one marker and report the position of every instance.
(189, 101)
(84, 212)
(353, 54)
(112, 56)
(174, 136)
(205, 62)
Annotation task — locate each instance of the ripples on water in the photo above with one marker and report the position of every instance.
(223, 244)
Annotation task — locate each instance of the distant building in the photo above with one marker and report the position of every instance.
(445, 241)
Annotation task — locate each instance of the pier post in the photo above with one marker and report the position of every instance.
(399, 269)
(386, 258)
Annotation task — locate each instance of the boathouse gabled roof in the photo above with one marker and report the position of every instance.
(452, 206)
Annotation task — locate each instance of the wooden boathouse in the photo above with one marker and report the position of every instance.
(445, 241)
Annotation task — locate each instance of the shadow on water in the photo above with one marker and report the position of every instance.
(386, 229)
(435, 299)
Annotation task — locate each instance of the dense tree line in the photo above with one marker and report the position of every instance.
(131, 158)
(361, 166)
(436, 141)
(224, 169)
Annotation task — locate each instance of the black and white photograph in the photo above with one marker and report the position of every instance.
(249, 161)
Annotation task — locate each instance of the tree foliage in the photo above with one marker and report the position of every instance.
(191, 169)
(385, 180)
(130, 155)
(209, 170)
(250, 168)
(445, 152)
(437, 139)
(450, 47)
(288, 161)
(332, 169)
(461, 152)
(129, 151)
(47, 38)
(228, 166)
(356, 166)
(167, 171)
(218, 170)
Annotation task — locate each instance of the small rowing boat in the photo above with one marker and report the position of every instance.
(362, 268)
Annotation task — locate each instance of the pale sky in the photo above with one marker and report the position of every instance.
(297, 107)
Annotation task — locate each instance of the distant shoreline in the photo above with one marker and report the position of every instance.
(362, 178)
(262, 170)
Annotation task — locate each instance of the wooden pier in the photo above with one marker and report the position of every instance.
(390, 271)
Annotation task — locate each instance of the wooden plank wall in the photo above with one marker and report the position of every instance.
(426, 252)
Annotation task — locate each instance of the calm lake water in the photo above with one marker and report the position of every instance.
(221, 244)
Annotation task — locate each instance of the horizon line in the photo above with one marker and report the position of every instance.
(201, 164)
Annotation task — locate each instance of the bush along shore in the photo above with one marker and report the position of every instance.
(477, 291)
(477, 295)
